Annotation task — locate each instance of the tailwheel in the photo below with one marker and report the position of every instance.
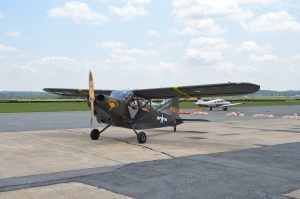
(95, 133)
(141, 137)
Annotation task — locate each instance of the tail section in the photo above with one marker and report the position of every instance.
(199, 100)
(173, 105)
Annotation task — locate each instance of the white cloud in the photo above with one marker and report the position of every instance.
(259, 2)
(247, 68)
(225, 67)
(265, 58)
(124, 60)
(209, 42)
(203, 55)
(252, 47)
(4, 49)
(1, 15)
(117, 47)
(172, 45)
(210, 8)
(78, 11)
(296, 57)
(52, 63)
(13, 34)
(153, 33)
(201, 26)
(138, 1)
(280, 21)
(128, 12)
(232, 68)
(205, 49)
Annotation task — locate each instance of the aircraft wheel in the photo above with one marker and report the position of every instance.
(95, 133)
(225, 109)
(141, 137)
(210, 108)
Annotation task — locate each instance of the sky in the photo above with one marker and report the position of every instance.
(132, 44)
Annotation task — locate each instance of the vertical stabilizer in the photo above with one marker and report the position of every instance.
(173, 106)
(199, 100)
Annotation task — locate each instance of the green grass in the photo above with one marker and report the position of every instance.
(42, 107)
(287, 102)
(82, 106)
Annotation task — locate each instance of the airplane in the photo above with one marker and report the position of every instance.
(133, 109)
(217, 103)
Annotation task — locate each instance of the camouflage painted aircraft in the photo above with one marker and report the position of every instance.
(134, 109)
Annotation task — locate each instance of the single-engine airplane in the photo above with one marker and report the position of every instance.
(216, 103)
(133, 109)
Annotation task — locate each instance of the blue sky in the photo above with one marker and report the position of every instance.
(149, 43)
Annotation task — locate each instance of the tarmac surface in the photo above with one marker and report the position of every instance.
(10, 122)
(50, 155)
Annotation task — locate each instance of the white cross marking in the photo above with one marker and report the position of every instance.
(162, 119)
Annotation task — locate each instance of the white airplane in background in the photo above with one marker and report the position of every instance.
(217, 103)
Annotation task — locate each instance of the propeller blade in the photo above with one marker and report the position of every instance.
(91, 97)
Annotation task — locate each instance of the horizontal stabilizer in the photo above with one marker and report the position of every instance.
(232, 104)
(191, 120)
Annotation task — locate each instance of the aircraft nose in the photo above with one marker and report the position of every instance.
(100, 98)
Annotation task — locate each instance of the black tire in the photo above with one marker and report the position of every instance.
(225, 109)
(210, 108)
(141, 137)
(175, 129)
(95, 133)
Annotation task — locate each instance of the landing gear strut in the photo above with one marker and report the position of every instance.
(141, 136)
(95, 133)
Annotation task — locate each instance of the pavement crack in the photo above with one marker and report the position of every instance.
(143, 146)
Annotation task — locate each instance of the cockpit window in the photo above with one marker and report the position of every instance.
(123, 95)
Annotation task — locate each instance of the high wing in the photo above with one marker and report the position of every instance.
(169, 92)
(75, 92)
(225, 89)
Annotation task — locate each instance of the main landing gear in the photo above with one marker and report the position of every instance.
(95, 133)
(141, 136)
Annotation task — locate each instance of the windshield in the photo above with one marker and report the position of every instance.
(124, 95)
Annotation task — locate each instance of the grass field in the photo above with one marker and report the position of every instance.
(42, 107)
(287, 102)
(82, 106)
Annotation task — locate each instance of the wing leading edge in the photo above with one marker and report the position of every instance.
(75, 92)
(225, 89)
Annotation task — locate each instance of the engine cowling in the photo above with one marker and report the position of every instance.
(112, 106)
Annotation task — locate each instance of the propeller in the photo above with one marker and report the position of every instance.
(91, 97)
